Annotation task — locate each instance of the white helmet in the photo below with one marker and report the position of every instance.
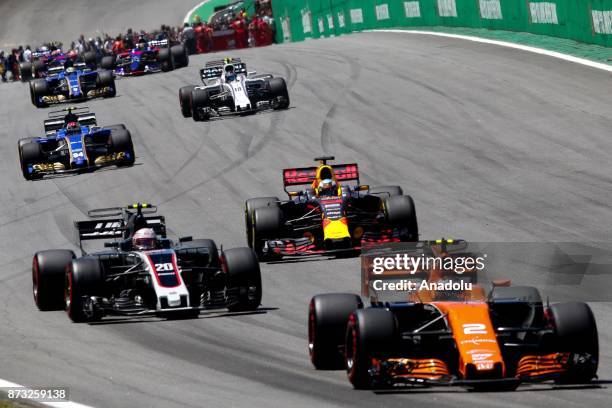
(144, 239)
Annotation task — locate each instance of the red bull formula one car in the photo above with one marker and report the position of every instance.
(334, 214)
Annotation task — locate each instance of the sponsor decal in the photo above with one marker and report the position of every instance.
(490, 9)
(412, 9)
(447, 8)
(356, 16)
(543, 13)
(330, 21)
(321, 25)
(341, 21)
(306, 21)
(602, 21)
(382, 12)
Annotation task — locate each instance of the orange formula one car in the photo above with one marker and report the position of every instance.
(333, 214)
(446, 330)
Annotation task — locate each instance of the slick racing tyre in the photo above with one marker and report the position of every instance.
(121, 142)
(400, 213)
(83, 278)
(106, 79)
(108, 62)
(48, 277)
(89, 58)
(39, 68)
(369, 332)
(25, 71)
(266, 224)
(38, 89)
(328, 316)
(179, 55)
(166, 60)
(576, 332)
(243, 279)
(199, 102)
(30, 153)
(249, 209)
(386, 191)
(185, 100)
(279, 96)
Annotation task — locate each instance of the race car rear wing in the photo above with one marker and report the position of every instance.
(214, 69)
(56, 123)
(110, 226)
(158, 43)
(306, 175)
(114, 227)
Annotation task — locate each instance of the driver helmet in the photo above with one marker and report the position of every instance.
(230, 73)
(327, 187)
(142, 44)
(73, 127)
(144, 239)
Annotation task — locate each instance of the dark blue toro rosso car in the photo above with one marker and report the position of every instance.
(74, 81)
(147, 57)
(74, 143)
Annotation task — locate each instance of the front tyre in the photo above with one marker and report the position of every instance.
(48, 274)
(243, 279)
(83, 279)
(185, 100)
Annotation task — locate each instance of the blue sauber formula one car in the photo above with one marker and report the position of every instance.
(74, 81)
(73, 144)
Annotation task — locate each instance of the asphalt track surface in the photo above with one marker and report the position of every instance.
(493, 144)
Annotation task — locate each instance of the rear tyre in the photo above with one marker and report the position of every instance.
(39, 69)
(48, 277)
(89, 58)
(328, 316)
(166, 60)
(38, 89)
(249, 208)
(576, 332)
(121, 142)
(279, 96)
(200, 103)
(243, 279)
(266, 224)
(108, 62)
(30, 153)
(369, 332)
(83, 278)
(386, 191)
(106, 79)
(185, 100)
(179, 55)
(400, 213)
(25, 71)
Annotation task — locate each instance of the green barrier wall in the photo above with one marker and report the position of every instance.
(588, 21)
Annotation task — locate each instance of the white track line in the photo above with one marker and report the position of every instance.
(188, 15)
(554, 54)
(58, 404)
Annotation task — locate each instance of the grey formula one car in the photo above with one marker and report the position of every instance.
(175, 279)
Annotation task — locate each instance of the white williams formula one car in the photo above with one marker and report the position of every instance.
(229, 89)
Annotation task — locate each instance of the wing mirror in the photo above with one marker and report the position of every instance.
(294, 193)
(113, 244)
(363, 187)
(185, 239)
(249, 73)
